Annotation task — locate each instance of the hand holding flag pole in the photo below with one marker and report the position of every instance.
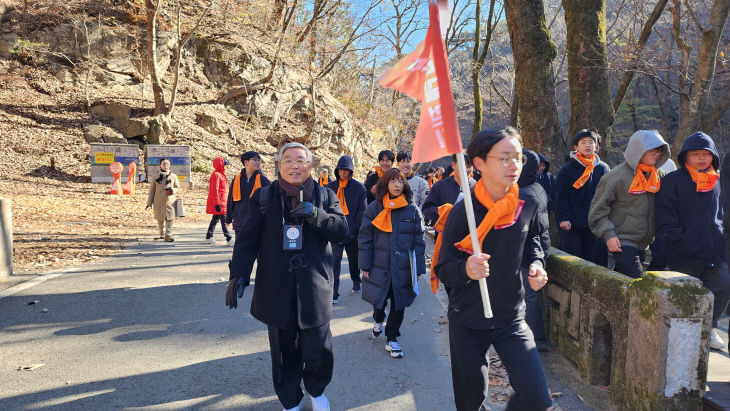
(424, 74)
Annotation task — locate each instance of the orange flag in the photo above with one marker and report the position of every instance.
(424, 75)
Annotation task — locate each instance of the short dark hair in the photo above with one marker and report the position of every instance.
(467, 160)
(381, 189)
(587, 133)
(403, 155)
(483, 142)
(249, 155)
(164, 159)
(386, 153)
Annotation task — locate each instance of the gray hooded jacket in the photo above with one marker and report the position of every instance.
(614, 211)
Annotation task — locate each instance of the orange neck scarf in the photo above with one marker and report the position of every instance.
(432, 181)
(237, 186)
(588, 162)
(705, 180)
(382, 220)
(341, 196)
(324, 180)
(500, 213)
(641, 184)
(444, 211)
(379, 171)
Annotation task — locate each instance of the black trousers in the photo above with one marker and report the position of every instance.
(395, 317)
(351, 249)
(582, 243)
(516, 348)
(300, 354)
(213, 222)
(714, 277)
(628, 261)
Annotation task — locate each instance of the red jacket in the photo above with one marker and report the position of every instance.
(218, 189)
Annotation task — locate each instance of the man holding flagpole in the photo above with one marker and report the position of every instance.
(505, 224)
(509, 237)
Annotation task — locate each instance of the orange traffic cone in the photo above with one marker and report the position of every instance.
(131, 180)
(116, 169)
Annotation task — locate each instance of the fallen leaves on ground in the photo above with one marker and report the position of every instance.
(61, 223)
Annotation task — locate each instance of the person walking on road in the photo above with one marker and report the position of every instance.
(288, 229)
(351, 194)
(217, 200)
(161, 197)
(508, 230)
(391, 240)
(418, 186)
(242, 188)
(385, 163)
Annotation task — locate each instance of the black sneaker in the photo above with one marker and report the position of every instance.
(356, 288)
(377, 330)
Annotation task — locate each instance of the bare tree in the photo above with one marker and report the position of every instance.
(692, 112)
(479, 57)
(153, 8)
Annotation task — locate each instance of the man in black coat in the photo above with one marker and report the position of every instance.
(531, 188)
(447, 190)
(288, 229)
(242, 187)
(353, 206)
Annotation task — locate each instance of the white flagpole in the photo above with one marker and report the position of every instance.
(461, 169)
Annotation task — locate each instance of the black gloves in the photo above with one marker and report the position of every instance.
(217, 208)
(305, 211)
(235, 286)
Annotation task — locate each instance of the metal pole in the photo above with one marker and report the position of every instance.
(461, 166)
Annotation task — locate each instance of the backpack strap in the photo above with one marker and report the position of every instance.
(264, 198)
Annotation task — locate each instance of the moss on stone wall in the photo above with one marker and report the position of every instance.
(686, 296)
(645, 289)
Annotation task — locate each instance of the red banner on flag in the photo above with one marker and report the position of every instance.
(424, 75)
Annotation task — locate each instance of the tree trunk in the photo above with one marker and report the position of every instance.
(534, 52)
(276, 12)
(691, 120)
(153, 8)
(478, 61)
(590, 95)
(514, 112)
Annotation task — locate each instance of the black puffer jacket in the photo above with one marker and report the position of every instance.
(530, 187)
(386, 255)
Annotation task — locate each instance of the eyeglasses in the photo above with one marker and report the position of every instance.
(518, 159)
(299, 162)
(258, 160)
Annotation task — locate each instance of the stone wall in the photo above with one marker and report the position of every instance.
(646, 340)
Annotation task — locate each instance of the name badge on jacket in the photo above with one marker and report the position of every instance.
(293, 237)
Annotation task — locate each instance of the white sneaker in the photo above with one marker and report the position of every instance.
(230, 242)
(716, 342)
(210, 240)
(320, 403)
(394, 349)
(297, 408)
(377, 330)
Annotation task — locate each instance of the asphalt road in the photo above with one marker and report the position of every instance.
(148, 328)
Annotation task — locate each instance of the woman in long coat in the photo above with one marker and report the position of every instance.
(391, 237)
(162, 196)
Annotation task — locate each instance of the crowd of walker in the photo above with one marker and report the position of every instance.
(297, 229)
